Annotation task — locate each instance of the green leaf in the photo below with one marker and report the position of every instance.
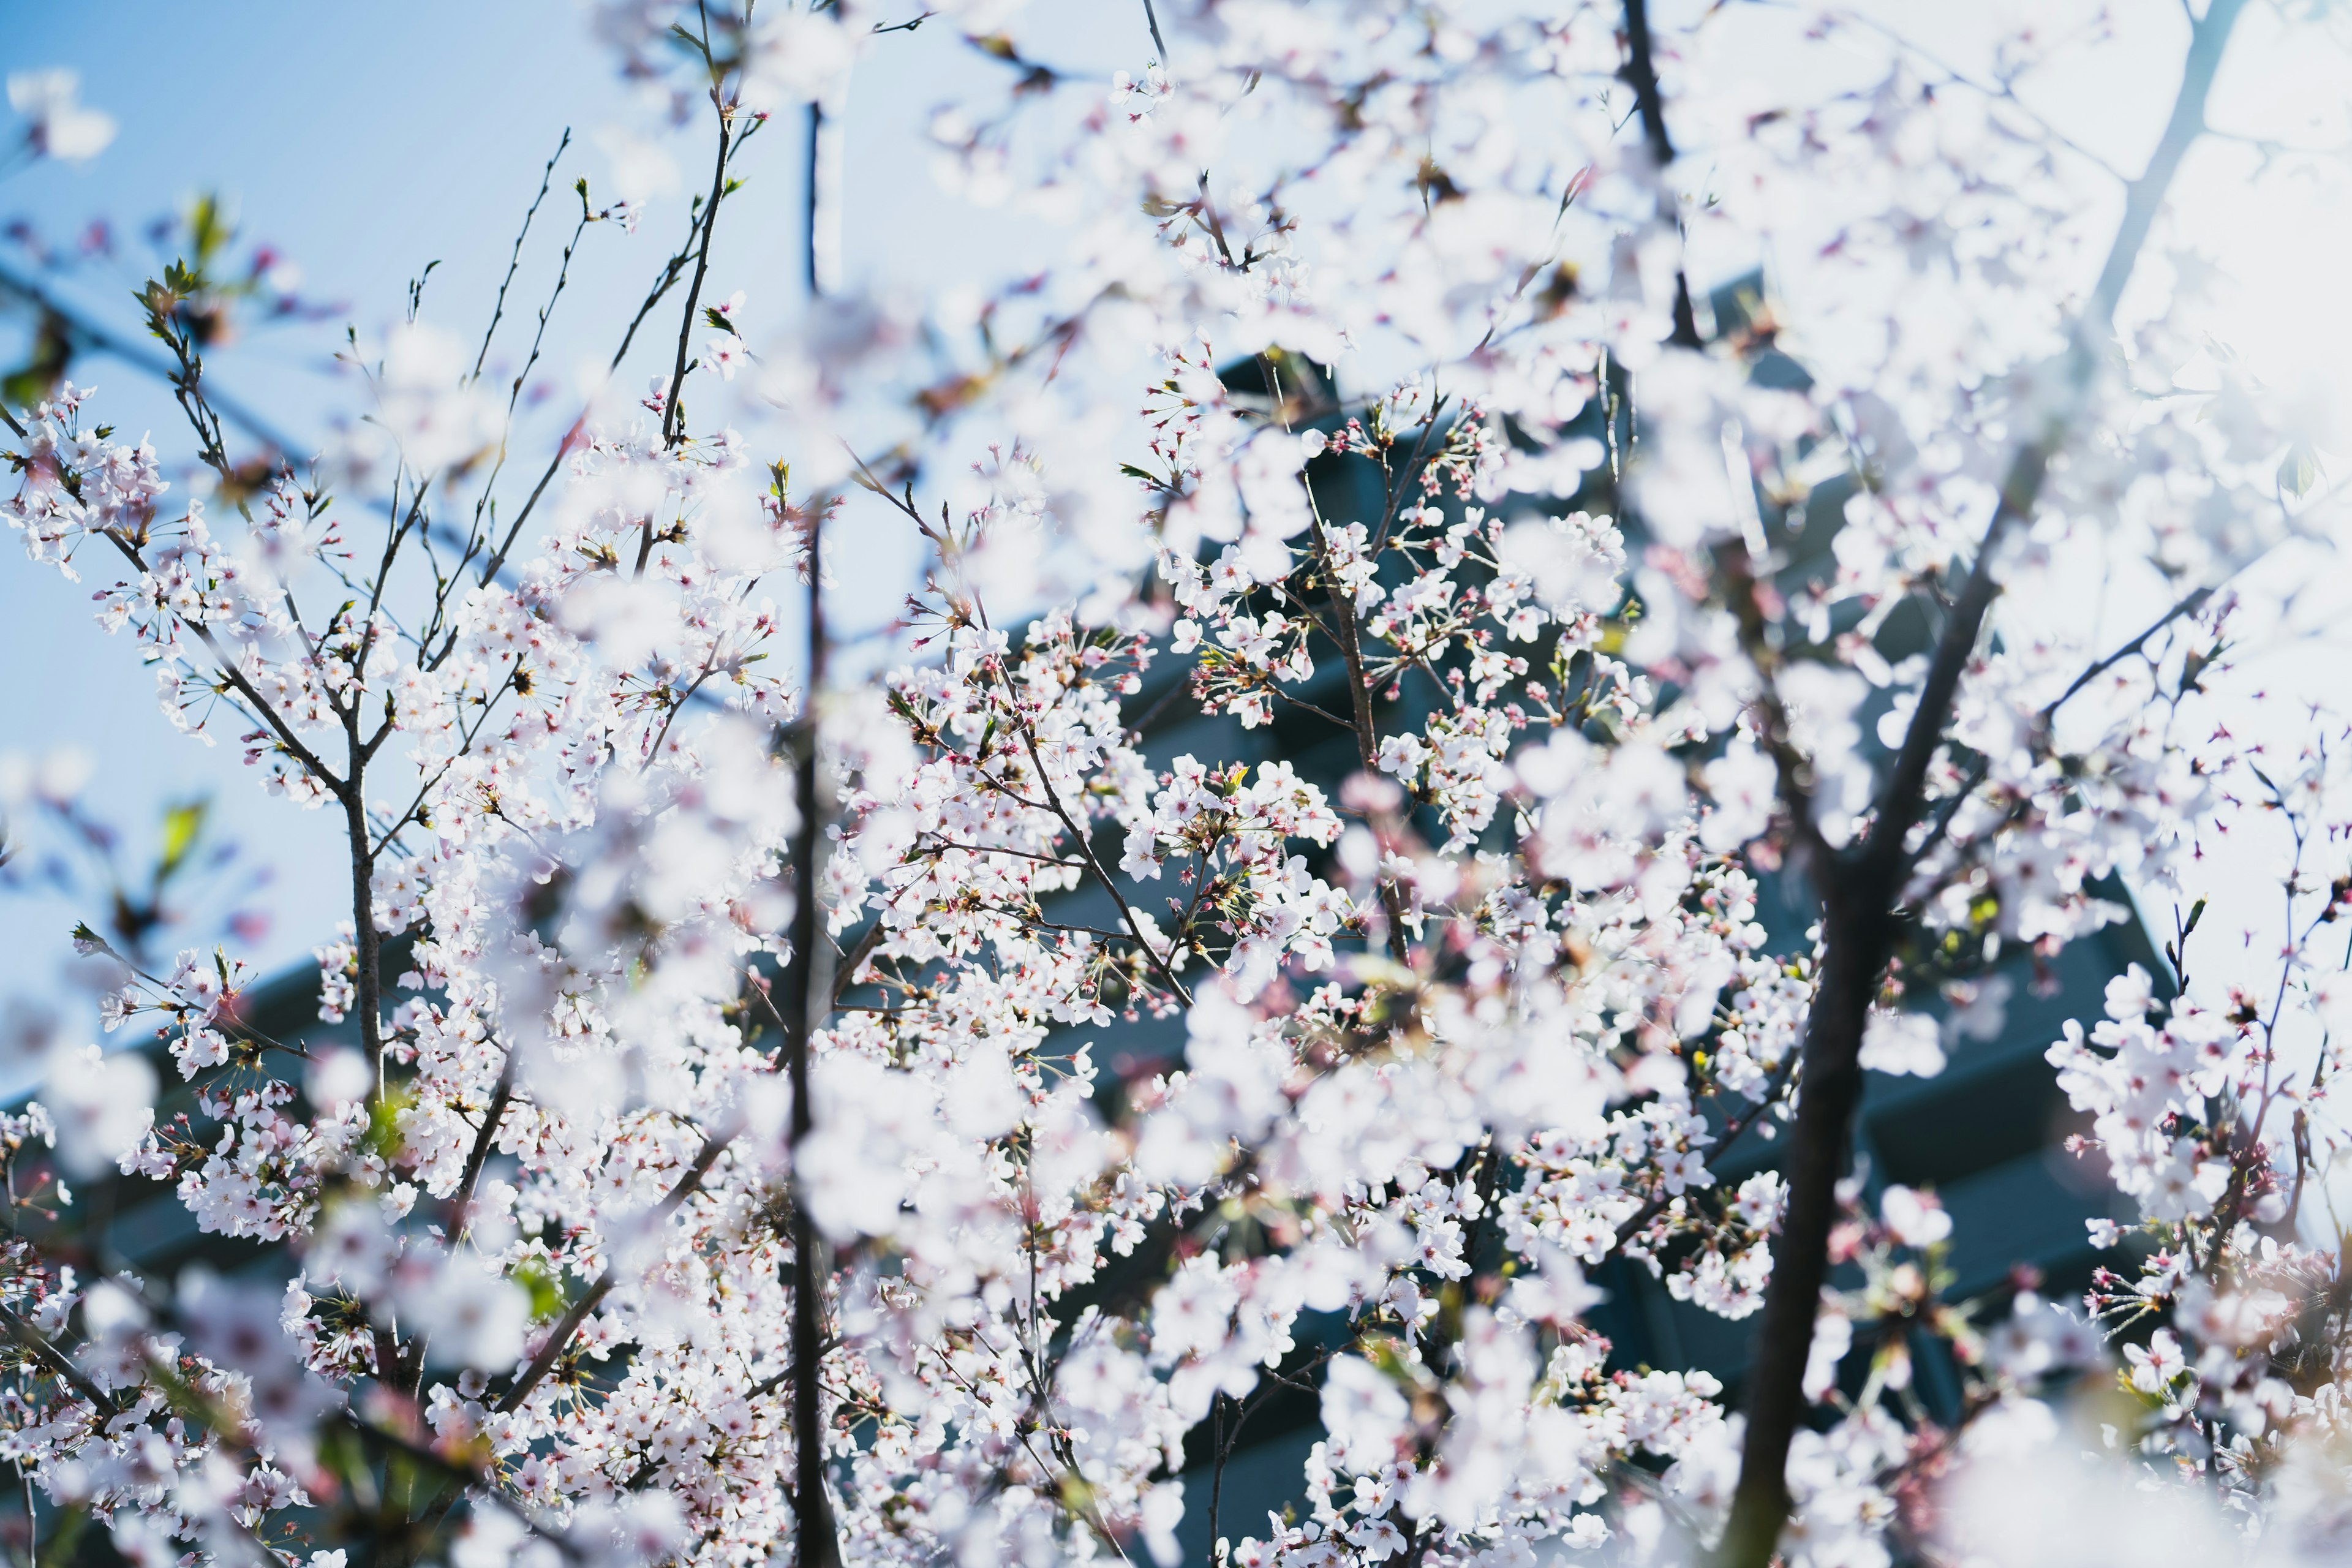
(209, 227)
(2299, 469)
(183, 824)
(52, 351)
(383, 1135)
(538, 1283)
(66, 1527)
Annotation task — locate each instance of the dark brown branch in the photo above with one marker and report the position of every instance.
(817, 1540)
(34, 1343)
(1858, 890)
(2189, 605)
(350, 790)
(1086, 846)
(461, 1204)
(559, 1337)
(1366, 727)
(1343, 630)
(814, 197)
(673, 425)
(262, 710)
(1152, 18)
(477, 538)
(844, 974)
(367, 941)
(1641, 74)
(1941, 827)
(1789, 763)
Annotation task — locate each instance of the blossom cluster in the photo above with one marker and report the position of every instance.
(758, 1124)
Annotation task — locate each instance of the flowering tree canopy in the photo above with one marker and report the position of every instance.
(1664, 493)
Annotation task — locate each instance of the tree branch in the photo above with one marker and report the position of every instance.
(1858, 890)
(461, 1204)
(1641, 74)
(673, 425)
(560, 1337)
(817, 1539)
(59, 1365)
(1086, 846)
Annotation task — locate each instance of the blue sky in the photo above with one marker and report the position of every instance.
(364, 142)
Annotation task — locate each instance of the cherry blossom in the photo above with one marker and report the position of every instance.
(763, 1130)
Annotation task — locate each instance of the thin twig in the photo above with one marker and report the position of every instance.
(37, 1344)
(672, 424)
(1086, 846)
(94, 336)
(2189, 605)
(1152, 17)
(663, 283)
(514, 261)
